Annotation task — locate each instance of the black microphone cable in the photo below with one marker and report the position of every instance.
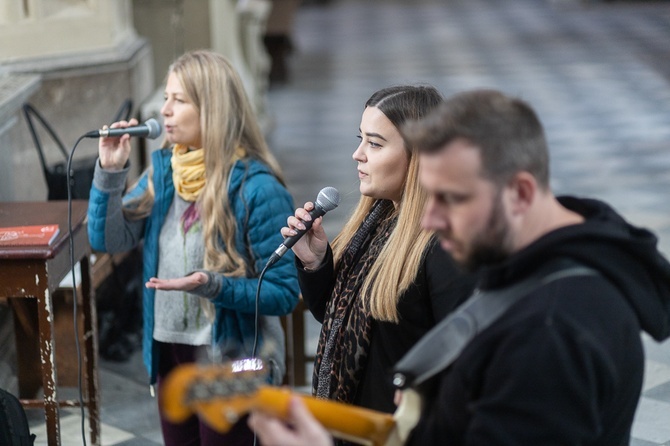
(69, 179)
(257, 322)
(257, 311)
(150, 129)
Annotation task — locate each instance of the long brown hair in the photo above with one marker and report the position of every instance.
(398, 263)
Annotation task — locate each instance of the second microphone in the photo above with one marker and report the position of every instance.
(150, 129)
(327, 200)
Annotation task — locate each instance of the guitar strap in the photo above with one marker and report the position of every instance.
(442, 344)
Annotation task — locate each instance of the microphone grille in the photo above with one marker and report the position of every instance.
(154, 127)
(328, 198)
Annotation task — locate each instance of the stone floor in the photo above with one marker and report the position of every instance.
(597, 72)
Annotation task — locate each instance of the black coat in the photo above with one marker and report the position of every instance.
(438, 288)
(564, 365)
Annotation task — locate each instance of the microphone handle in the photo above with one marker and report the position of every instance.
(315, 213)
(288, 242)
(104, 133)
(132, 131)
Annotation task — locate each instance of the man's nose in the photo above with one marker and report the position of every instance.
(428, 220)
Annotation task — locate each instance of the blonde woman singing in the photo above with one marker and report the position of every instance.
(207, 212)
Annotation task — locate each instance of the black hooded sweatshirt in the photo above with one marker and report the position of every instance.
(564, 365)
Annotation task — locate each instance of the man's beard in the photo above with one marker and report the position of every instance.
(493, 244)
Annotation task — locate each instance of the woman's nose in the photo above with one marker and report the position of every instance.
(358, 154)
(165, 109)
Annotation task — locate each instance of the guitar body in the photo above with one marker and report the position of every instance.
(221, 394)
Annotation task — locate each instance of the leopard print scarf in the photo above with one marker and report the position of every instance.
(345, 334)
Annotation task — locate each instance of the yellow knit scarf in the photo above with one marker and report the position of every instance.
(188, 171)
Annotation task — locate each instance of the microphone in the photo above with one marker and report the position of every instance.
(150, 129)
(327, 200)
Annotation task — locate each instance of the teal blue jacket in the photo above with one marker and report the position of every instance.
(260, 204)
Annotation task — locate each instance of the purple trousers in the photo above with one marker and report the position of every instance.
(194, 432)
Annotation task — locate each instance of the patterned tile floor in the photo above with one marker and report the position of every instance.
(597, 72)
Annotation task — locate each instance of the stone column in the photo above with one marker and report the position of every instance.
(233, 28)
(237, 30)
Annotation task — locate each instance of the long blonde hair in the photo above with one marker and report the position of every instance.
(397, 265)
(227, 122)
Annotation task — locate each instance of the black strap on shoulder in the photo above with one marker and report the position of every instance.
(442, 345)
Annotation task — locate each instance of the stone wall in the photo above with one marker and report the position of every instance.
(76, 61)
(73, 99)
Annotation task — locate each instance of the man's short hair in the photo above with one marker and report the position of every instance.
(506, 130)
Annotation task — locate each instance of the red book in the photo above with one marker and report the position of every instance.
(36, 235)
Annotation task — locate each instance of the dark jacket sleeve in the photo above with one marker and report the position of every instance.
(316, 286)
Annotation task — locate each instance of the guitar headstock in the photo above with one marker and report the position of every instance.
(220, 393)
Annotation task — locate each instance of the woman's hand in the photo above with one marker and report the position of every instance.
(186, 283)
(305, 430)
(114, 151)
(311, 248)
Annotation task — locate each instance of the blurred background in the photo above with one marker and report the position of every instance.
(597, 72)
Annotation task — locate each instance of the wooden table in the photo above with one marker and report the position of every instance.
(28, 273)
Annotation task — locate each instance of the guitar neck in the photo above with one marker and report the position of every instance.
(221, 394)
(344, 421)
